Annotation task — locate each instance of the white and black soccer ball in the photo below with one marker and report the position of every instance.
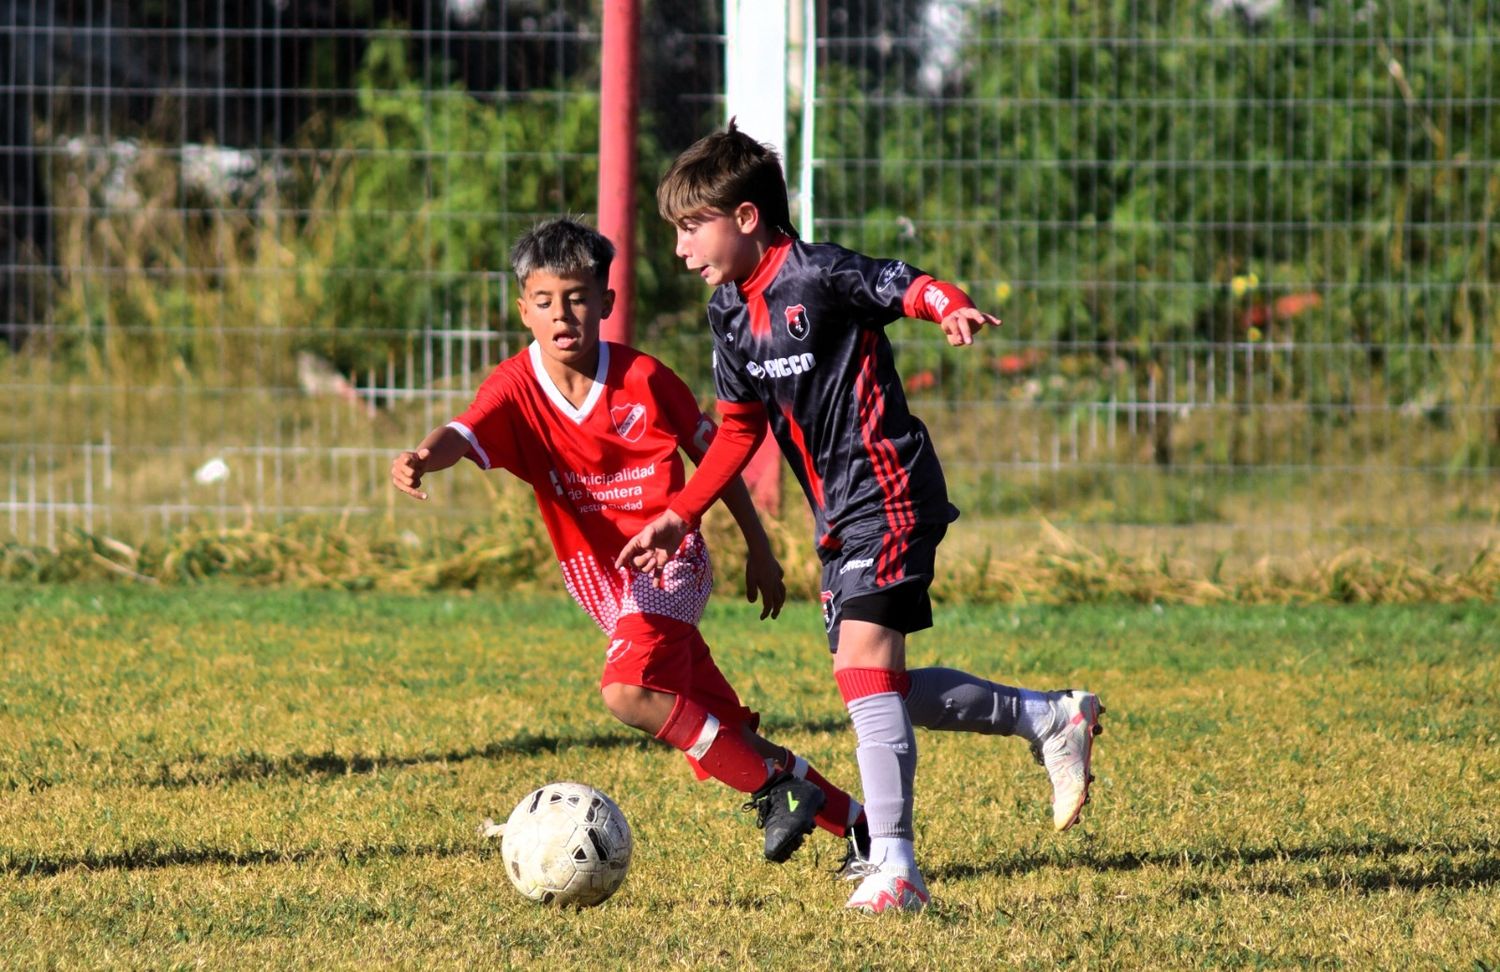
(566, 844)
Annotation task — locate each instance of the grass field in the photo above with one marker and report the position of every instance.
(261, 779)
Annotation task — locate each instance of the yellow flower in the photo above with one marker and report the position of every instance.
(1243, 283)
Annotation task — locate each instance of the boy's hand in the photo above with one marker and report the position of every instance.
(649, 550)
(763, 576)
(406, 472)
(963, 324)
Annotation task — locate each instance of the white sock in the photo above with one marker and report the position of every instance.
(1034, 720)
(893, 850)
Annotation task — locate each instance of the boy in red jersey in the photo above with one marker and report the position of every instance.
(800, 347)
(596, 429)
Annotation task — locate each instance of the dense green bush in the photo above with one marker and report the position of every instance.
(1129, 175)
(480, 171)
(426, 191)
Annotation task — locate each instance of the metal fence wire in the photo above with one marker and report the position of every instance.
(1242, 248)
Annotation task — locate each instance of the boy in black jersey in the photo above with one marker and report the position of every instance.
(800, 347)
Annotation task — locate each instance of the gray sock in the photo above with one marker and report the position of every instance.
(887, 755)
(943, 698)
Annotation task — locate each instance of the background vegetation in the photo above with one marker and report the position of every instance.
(1152, 183)
(1244, 259)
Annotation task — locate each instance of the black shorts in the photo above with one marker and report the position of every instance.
(882, 579)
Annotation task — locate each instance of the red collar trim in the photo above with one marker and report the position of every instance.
(770, 264)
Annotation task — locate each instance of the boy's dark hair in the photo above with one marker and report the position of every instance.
(564, 246)
(720, 171)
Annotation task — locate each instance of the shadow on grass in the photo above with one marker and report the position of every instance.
(1365, 865)
(151, 857)
(201, 770)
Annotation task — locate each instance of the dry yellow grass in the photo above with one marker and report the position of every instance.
(511, 551)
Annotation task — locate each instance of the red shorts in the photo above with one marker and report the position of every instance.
(667, 655)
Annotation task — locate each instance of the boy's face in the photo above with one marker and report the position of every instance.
(563, 314)
(721, 247)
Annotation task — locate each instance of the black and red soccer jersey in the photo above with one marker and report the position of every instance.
(805, 336)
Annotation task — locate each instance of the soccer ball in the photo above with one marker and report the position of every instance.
(566, 844)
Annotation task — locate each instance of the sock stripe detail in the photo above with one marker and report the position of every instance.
(857, 683)
(706, 736)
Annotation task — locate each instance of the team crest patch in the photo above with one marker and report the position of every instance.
(630, 421)
(796, 321)
(827, 610)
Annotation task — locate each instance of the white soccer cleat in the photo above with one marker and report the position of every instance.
(1067, 751)
(886, 887)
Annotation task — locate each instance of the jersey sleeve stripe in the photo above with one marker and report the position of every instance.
(468, 433)
(932, 300)
(912, 302)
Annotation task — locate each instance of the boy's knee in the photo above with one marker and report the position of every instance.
(639, 707)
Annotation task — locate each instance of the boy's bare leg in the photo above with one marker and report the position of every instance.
(639, 707)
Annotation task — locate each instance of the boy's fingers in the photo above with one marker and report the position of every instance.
(411, 490)
(638, 553)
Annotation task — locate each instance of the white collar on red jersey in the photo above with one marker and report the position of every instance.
(563, 405)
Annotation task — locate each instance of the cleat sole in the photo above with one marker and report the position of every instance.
(789, 848)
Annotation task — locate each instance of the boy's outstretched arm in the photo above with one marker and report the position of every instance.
(442, 447)
(948, 307)
(743, 428)
(763, 573)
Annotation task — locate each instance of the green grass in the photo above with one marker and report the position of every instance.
(273, 778)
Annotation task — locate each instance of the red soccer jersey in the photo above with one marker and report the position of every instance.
(600, 471)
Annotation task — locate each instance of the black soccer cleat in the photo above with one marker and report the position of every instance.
(786, 809)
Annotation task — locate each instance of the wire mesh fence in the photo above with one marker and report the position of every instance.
(1243, 251)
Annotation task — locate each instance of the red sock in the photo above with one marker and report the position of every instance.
(856, 683)
(840, 810)
(721, 753)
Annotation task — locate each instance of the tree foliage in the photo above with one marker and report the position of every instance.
(1129, 171)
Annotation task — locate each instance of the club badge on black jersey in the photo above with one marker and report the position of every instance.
(796, 321)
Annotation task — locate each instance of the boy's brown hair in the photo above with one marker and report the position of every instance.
(720, 171)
